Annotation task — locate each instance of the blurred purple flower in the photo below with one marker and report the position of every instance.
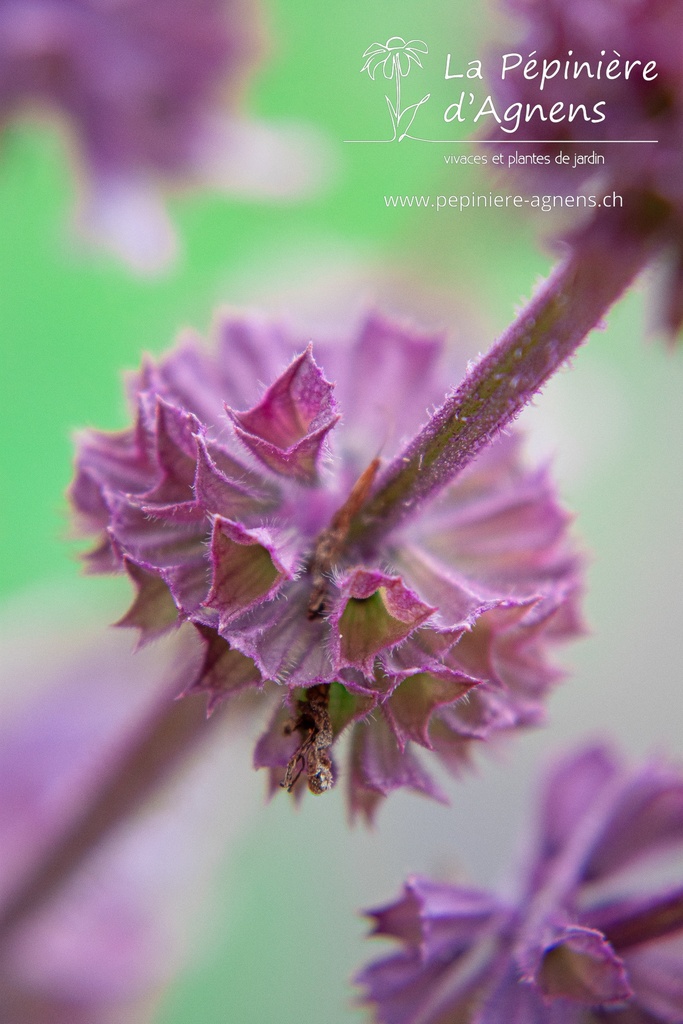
(142, 85)
(237, 519)
(577, 946)
(647, 112)
(94, 941)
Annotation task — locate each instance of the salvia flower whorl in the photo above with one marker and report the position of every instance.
(579, 943)
(229, 505)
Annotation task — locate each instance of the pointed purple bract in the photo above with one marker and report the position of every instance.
(582, 966)
(239, 521)
(247, 569)
(287, 428)
(373, 614)
(565, 952)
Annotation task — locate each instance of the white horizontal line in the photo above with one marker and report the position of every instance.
(518, 142)
(563, 142)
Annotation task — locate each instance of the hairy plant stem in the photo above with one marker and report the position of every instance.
(170, 732)
(601, 265)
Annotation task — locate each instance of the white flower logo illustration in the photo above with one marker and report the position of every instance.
(396, 58)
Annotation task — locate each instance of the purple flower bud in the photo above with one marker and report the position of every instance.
(435, 635)
(572, 942)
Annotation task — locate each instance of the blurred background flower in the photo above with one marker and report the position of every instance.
(584, 932)
(637, 47)
(148, 93)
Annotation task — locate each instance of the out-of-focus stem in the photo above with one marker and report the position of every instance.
(171, 731)
(545, 334)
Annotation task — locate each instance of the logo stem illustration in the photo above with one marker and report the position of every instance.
(397, 68)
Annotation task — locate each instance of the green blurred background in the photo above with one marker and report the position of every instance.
(281, 937)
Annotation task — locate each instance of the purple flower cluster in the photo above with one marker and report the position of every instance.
(231, 506)
(577, 946)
